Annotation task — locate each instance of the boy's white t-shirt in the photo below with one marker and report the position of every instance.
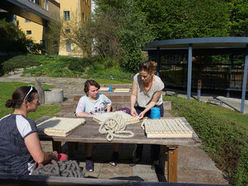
(92, 107)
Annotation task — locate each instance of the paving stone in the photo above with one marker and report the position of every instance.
(201, 176)
(120, 171)
(145, 172)
(95, 173)
(194, 158)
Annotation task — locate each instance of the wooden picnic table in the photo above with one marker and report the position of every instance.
(88, 133)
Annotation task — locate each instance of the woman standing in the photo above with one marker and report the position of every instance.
(19, 143)
(88, 105)
(146, 93)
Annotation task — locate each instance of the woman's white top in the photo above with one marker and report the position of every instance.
(144, 98)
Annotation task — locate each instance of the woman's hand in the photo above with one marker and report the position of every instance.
(141, 115)
(133, 112)
(55, 155)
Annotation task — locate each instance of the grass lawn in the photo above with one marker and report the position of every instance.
(224, 135)
(6, 90)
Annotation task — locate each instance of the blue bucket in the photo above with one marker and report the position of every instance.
(110, 88)
(155, 113)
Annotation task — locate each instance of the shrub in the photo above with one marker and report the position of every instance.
(224, 137)
(12, 39)
(64, 66)
(79, 65)
(21, 61)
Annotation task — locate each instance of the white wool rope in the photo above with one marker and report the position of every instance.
(143, 123)
(115, 127)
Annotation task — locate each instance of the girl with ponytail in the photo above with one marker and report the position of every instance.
(19, 143)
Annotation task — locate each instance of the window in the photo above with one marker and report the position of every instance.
(68, 46)
(67, 15)
(28, 32)
(67, 31)
(27, 20)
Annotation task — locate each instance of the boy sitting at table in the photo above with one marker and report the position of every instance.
(91, 103)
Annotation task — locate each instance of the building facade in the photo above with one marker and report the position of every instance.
(31, 29)
(71, 12)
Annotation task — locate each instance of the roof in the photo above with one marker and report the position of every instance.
(200, 43)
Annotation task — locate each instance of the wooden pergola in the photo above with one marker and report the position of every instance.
(207, 45)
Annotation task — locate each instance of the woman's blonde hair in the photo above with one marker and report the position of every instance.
(148, 66)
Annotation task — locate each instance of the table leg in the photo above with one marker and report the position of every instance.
(57, 146)
(172, 163)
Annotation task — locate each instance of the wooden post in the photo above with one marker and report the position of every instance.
(172, 163)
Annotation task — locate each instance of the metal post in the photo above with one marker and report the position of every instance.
(189, 71)
(229, 75)
(199, 89)
(244, 81)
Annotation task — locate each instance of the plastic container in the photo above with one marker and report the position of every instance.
(155, 113)
(110, 88)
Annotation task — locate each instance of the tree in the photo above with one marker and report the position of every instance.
(173, 19)
(131, 31)
(52, 36)
(12, 39)
(238, 17)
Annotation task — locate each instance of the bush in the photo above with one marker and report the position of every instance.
(65, 66)
(79, 65)
(21, 61)
(224, 137)
(12, 39)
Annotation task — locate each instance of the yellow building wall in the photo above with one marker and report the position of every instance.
(79, 13)
(36, 29)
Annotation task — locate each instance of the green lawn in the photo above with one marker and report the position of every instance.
(6, 90)
(224, 135)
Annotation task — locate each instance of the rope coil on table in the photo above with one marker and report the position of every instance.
(63, 168)
(115, 127)
(143, 123)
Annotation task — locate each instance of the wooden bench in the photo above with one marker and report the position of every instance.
(14, 180)
(38, 180)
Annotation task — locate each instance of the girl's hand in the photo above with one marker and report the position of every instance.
(141, 115)
(133, 112)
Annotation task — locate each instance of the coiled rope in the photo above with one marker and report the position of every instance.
(115, 127)
(63, 168)
(143, 123)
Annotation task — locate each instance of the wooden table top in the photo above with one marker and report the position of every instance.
(88, 133)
